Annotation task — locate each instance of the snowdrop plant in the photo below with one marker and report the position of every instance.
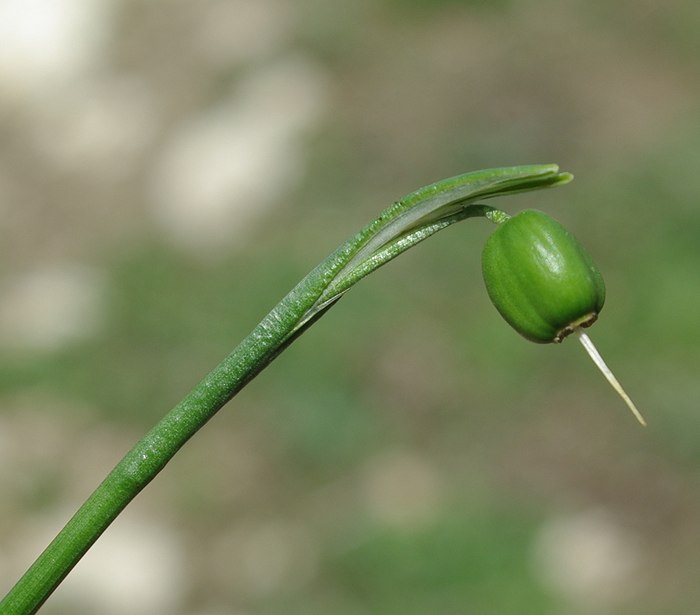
(537, 275)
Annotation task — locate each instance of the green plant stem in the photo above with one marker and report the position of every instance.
(401, 226)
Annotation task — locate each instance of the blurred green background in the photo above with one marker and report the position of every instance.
(168, 170)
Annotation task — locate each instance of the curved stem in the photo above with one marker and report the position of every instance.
(404, 224)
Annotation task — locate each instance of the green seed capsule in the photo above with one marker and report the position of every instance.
(545, 284)
(540, 278)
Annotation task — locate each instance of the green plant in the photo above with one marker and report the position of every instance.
(406, 223)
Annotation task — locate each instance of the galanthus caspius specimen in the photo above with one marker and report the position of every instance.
(538, 276)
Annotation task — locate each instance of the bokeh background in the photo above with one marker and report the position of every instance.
(169, 169)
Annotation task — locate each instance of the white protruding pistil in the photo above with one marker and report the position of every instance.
(598, 360)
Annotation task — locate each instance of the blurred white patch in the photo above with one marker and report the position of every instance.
(46, 43)
(231, 163)
(403, 490)
(589, 558)
(264, 558)
(48, 308)
(230, 32)
(135, 567)
(97, 129)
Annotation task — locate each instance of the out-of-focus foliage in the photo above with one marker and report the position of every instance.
(169, 169)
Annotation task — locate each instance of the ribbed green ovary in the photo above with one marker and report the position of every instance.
(540, 278)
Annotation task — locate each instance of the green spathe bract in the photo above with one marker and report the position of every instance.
(540, 278)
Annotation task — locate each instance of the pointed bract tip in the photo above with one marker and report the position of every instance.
(605, 370)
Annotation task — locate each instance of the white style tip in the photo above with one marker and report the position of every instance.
(598, 360)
